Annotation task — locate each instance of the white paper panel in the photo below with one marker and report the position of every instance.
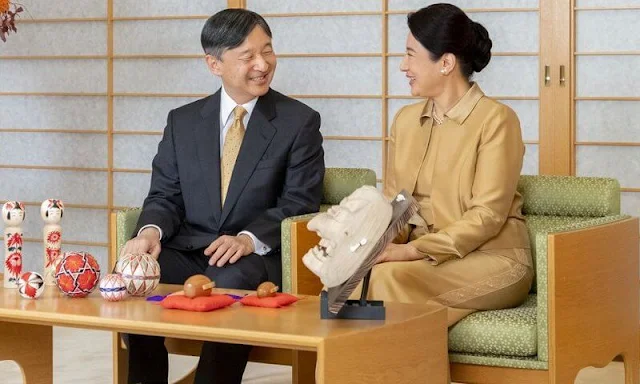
(509, 31)
(48, 9)
(608, 121)
(133, 151)
(53, 75)
(607, 75)
(58, 39)
(348, 117)
(164, 76)
(531, 162)
(164, 37)
(510, 76)
(630, 203)
(504, 76)
(58, 149)
(131, 8)
(53, 112)
(605, 3)
(305, 6)
(416, 4)
(327, 76)
(130, 189)
(78, 224)
(327, 34)
(144, 113)
(622, 163)
(528, 112)
(607, 30)
(72, 187)
(354, 154)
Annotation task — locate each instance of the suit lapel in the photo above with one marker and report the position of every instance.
(208, 149)
(258, 135)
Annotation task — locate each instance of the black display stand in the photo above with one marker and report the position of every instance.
(362, 309)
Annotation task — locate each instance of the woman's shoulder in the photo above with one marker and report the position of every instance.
(412, 111)
(491, 108)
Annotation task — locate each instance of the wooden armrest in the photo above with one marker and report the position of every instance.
(593, 291)
(303, 281)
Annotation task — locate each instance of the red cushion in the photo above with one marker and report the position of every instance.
(277, 301)
(198, 304)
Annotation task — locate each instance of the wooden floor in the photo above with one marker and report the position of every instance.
(82, 356)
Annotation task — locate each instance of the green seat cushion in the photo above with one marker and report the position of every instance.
(505, 332)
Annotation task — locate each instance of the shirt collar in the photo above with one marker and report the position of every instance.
(227, 105)
(462, 109)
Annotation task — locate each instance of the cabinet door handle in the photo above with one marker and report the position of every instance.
(562, 77)
(547, 75)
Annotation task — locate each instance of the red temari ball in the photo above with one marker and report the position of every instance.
(77, 274)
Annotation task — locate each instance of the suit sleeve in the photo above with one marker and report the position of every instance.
(390, 188)
(302, 189)
(499, 162)
(163, 205)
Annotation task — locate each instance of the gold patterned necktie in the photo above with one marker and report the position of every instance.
(230, 149)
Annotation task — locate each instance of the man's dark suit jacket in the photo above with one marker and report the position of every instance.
(278, 173)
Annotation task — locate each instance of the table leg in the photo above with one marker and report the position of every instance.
(303, 367)
(31, 346)
(410, 352)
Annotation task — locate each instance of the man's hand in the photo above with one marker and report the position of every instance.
(399, 252)
(229, 249)
(147, 241)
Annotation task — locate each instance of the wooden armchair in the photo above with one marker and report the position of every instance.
(583, 308)
(338, 183)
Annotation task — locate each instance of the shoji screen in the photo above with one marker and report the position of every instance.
(53, 124)
(85, 87)
(607, 94)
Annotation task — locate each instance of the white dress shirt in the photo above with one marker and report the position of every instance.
(227, 105)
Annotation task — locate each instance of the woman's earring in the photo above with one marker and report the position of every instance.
(443, 71)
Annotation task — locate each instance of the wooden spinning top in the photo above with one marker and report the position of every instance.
(267, 289)
(198, 285)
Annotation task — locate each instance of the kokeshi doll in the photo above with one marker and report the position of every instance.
(13, 215)
(51, 211)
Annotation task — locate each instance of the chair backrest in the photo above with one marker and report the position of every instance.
(340, 182)
(570, 196)
(556, 201)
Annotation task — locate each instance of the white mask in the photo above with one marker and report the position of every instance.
(348, 233)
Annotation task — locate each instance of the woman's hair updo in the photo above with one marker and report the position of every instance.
(445, 28)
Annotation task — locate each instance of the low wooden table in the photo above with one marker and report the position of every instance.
(410, 346)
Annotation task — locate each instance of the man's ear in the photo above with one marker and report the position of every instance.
(213, 64)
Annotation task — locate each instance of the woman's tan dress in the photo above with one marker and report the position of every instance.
(470, 227)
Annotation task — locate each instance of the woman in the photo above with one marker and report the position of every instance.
(460, 154)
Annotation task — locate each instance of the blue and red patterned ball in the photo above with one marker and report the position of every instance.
(77, 274)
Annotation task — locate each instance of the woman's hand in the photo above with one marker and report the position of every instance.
(399, 252)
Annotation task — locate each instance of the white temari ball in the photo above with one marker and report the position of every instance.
(140, 272)
(113, 287)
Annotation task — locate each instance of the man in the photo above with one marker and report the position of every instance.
(219, 192)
